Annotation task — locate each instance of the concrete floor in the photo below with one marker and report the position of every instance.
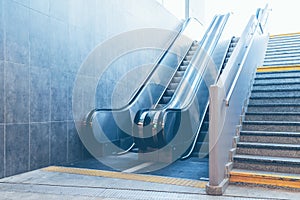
(41, 184)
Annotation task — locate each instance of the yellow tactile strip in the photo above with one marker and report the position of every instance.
(128, 176)
(265, 179)
(278, 68)
(285, 34)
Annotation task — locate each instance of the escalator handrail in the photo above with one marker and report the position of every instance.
(249, 30)
(208, 45)
(199, 43)
(90, 115)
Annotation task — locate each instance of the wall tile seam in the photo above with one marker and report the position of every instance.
(42, 13)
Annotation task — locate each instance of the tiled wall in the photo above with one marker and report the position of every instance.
(42, 45)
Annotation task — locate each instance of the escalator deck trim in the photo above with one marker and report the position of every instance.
(128, 176)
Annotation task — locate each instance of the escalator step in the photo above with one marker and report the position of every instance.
(169, 92)
(172, 86)
(184, 62)
(165, 100)
(179, 73)
(188, 57)
(176, 80)
(191, 53)
(183, 67)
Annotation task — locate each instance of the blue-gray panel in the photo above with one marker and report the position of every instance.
(1, 32)
(39, 37)
(70, 86)
(16, 18)
(1, 92)
(58, 95)
(16, 93)
(17, 148)
(41, 6)
(39, 145)
(39, 94)
(75, 148)
(58, 142)
(59, 47)
(80, 44)
(59, 9)
(1, 151)
(23, 2)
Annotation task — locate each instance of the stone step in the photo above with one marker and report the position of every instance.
(277, 75)
(287, 58)
(286, 48)
(282, 42)
(274, 107)
(279, 52)
(274, 100)
(273, 179)
(271, 126)
(272, 116)
(270, 137)
(281, 63)
(284, 37)
(283, 55)
(270, 81)
(272, 87)
(267, 163)
(282, 48)
(269, 149)
(274, 94)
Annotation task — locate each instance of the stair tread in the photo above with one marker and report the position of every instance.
(273, 113)
(268, 145)
(268, 158)
(272, 122)
(274, 97)
(270, 133)
(273, 104)
(267, 173)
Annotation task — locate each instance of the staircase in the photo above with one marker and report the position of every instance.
(268, 146)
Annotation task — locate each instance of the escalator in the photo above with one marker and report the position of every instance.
(200, 147)
(172, 86)
(178, 123)
(165, 120)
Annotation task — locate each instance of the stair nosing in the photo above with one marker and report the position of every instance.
(270, 133)
(260, 158)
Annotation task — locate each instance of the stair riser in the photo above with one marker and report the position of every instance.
(267, 167)
(273, 108)
(274, 128)
(270, 139)
(277, 81)
(276, 87)
(286, 117)
(281, 58)
(278, 75)
(268, 152)
(273, 100)
(281, 63)
(287, 49)
(275, 94)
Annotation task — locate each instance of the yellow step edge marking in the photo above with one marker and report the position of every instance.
(278, 68)
(265, 179)
(284, 34)
(128, 176)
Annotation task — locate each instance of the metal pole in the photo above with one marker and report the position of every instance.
(187, 9)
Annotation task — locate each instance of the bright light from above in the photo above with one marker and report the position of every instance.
(284, 17)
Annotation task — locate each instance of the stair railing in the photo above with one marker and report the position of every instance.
(227, 99)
